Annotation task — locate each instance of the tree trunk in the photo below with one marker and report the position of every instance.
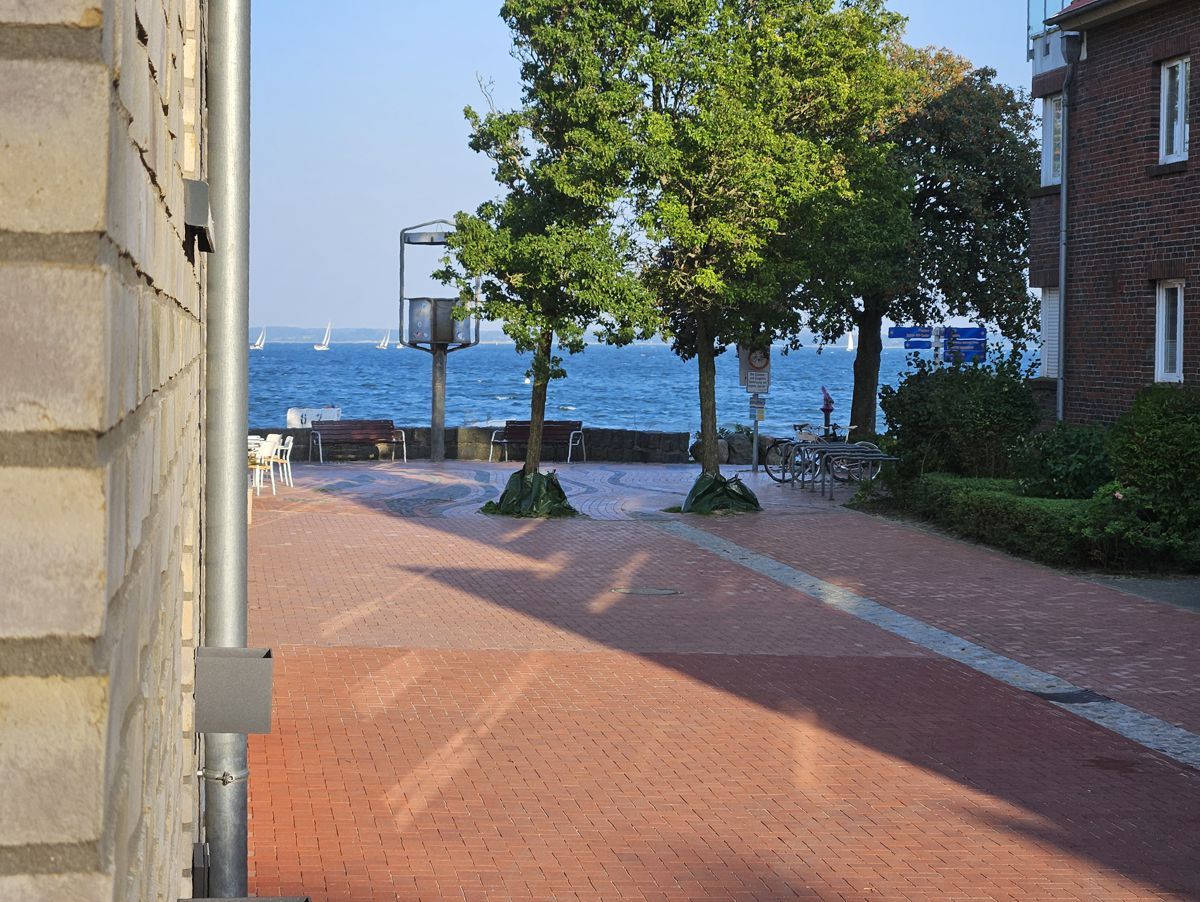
(863, 409)
(537, 400)
(710, 461)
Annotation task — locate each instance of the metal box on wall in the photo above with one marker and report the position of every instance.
(233, 690)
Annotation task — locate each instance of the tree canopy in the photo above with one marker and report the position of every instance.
(729, 142)
(550, 251)
(933, 220)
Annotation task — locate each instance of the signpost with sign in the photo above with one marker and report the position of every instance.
(754, 373)
(965, 343)
(907, 332)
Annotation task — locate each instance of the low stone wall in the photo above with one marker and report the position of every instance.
(472, 443)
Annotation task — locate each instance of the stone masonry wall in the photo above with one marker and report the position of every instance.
(474, 443)
(101, 379)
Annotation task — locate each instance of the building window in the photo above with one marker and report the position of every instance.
(1173, 117)
(1052, 139)
(1168, 337)
(1050, 333)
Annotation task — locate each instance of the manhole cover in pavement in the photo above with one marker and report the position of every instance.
(1116, 765)
(644, 590)
(1073, 697)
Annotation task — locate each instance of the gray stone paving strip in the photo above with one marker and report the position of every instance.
(1144, 729)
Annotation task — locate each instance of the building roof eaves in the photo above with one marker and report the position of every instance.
(1086, 13)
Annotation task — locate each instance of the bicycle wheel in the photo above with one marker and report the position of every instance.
(776, 460)
(868, 469)
(843, 470)
(805, 463)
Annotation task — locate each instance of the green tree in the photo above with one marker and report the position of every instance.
(552, 259)
(730, 138)
(933, 220)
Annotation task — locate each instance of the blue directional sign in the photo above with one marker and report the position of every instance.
(966, 356)
(972, 332)
(910, 331)
(966, 344)
(917, 344)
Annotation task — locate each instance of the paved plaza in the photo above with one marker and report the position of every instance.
(805, 703)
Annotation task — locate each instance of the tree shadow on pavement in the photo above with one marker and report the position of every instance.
(882, 738)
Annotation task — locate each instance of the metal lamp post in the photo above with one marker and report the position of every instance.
(429, 325)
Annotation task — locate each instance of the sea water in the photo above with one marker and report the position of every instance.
(643, 386)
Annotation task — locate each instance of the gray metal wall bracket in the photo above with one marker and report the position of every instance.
(233, 690)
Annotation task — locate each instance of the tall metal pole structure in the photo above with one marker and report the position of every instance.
(437, 417)
(438, 335)
(225, 765)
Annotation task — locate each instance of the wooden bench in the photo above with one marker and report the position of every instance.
(554, 432)
(358, 432)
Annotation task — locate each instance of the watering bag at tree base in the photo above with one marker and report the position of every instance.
(716, 493)
(535, 495)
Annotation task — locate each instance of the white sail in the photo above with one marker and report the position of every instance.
(383, 344)
(324, 345)
(849, 341)
(260, 341)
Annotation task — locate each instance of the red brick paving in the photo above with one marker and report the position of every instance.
(1139, 652)
(465, 710)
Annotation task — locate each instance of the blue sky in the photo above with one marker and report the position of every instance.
(357, 132)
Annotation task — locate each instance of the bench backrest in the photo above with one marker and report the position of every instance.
(355, 431)
(553, 431)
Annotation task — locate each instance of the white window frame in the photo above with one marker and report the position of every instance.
(1160, 333)
(1181, 133)
(1052, 139)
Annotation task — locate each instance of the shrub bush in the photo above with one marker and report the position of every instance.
(1129, 532)
(1064, 462)
(992, 511)
(1151, 513)
(964, 419)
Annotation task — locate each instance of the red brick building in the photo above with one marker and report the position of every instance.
(1130, 314)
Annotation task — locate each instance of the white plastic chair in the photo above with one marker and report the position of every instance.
(283, 457)
(264, 462)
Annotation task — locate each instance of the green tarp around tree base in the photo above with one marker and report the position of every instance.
(536, 495)
(716, 493)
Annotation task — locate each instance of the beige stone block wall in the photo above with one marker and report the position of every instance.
(101, 409)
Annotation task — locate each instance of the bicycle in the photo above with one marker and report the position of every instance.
(787, 459)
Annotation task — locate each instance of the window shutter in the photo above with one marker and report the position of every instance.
(1051, 333)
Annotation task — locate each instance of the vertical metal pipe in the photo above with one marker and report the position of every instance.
(227, 384)
(437, 430)
(404, 336)
(1060, 357)
(1071, 52)
(754, 444)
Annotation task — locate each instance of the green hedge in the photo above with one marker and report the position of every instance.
(994, 512)
(959, 418)
(1150, 515)
(1064, 462)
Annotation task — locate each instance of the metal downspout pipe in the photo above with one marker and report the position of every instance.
(1072, 45)
(227, 387)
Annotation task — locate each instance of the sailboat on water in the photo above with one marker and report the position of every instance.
(324, 345)
(849, 341)
(383, 344)
(260, 341)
